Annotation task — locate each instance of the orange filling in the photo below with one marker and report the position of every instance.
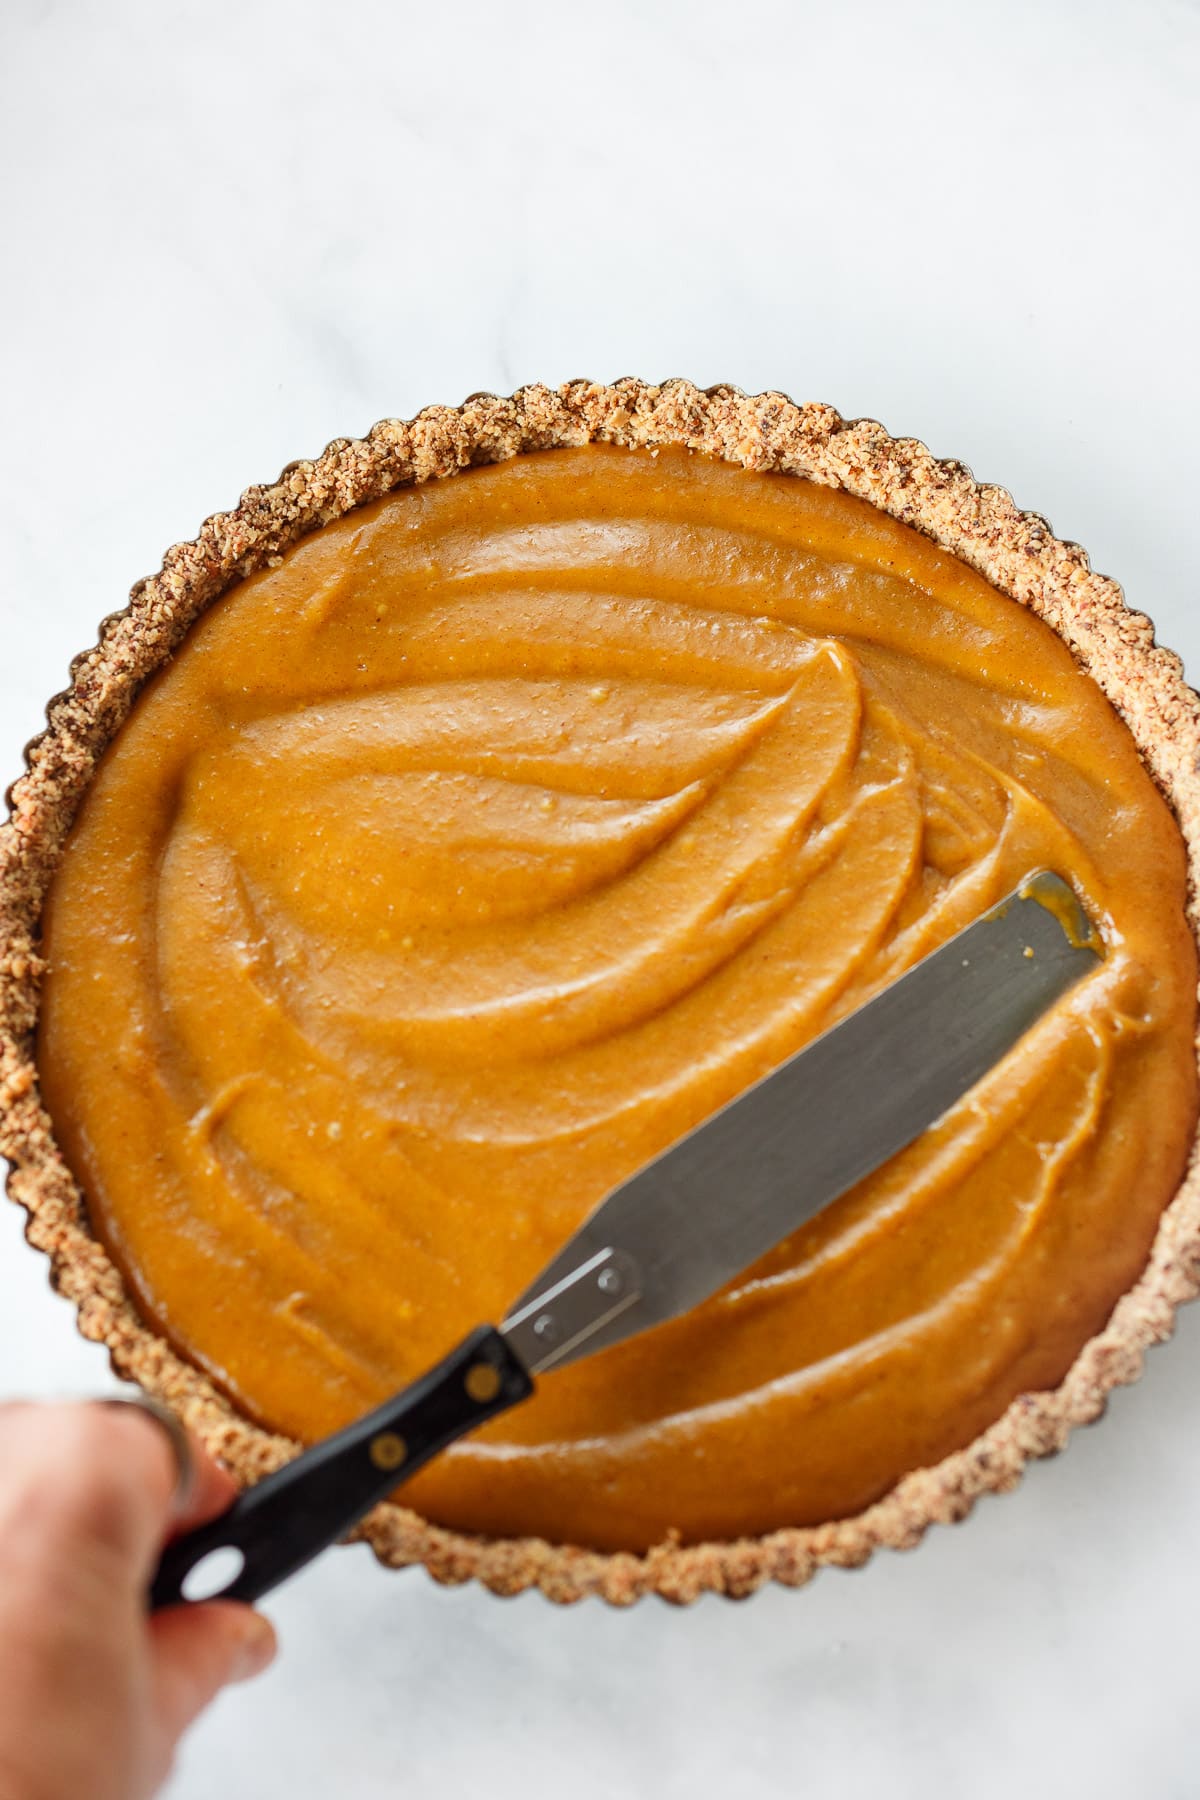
(505, 830)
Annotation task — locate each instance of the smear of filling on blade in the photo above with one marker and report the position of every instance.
(513, 824)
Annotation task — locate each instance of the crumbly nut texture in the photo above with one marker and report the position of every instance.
(1016, 551)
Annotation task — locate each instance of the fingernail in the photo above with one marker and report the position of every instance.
(256, 1651)
(176, 1435)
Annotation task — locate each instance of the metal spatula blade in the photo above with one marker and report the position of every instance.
(683, 1226)
(717, 1200)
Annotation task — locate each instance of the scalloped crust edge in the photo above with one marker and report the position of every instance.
(979, 523)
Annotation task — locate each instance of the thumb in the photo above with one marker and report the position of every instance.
(200, 1649)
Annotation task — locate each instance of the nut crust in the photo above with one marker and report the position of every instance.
(979, 523)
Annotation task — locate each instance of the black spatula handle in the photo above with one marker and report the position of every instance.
(289, 1517)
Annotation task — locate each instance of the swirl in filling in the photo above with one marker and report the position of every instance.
(506, 829)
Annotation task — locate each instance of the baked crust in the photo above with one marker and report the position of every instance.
(979, 523)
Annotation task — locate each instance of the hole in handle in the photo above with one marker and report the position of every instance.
(216, 1571)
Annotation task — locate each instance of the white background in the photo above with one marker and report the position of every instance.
(233, 232)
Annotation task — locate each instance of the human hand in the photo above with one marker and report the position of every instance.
(95, 1692)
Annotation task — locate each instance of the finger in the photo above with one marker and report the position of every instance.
(198, 1650)
(87, 1479)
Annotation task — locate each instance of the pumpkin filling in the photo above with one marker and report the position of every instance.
(512, 824)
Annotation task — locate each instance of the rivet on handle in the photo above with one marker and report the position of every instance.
(388, 1451)
(482, 1382)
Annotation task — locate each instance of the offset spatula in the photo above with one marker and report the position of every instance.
(683, 1226)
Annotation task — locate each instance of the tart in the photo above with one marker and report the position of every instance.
(551, 768)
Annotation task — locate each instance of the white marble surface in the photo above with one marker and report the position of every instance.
(233, 232)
